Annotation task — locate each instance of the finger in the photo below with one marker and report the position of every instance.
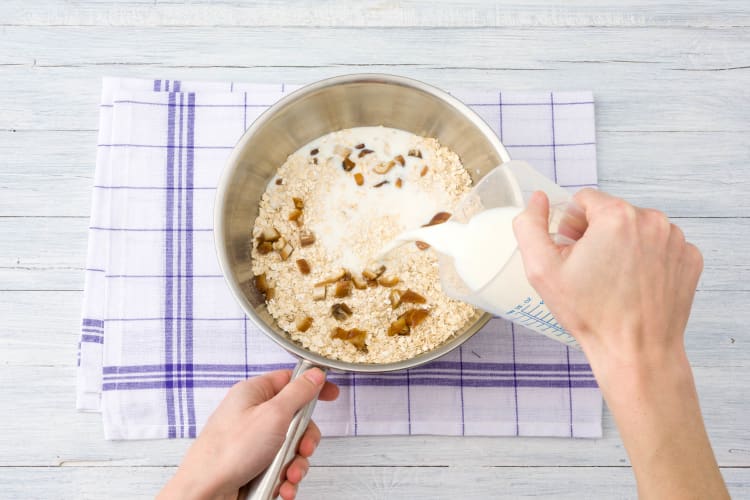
(329, 392)
(299, 391)
(288, 491)
(258, 389)
(573, 223)
(297, 470)
(694, 259)
(538, 251)
(589, 200)
(310, 440)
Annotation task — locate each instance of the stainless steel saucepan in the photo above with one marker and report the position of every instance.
(310, 112)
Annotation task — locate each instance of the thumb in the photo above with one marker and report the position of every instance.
(538, 251)
(300, 391)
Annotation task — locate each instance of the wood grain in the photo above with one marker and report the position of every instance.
(685, 174)
(404, 13)
(670, 80)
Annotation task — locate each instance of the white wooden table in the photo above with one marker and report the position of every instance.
(673, 119)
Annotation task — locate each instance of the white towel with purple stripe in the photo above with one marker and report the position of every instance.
(162, 338)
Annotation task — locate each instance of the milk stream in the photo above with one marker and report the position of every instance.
(487, 269)
(479, 248)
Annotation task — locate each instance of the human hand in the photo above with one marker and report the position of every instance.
(244, 433)
(624, 290)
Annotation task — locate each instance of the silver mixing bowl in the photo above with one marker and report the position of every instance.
(337, 103)
(310, 112)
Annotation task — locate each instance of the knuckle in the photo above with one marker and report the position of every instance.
(655, 219)
(586, 193)
(695, 257)
(678, 233)
(536, 272)
(623, 210)
(621, 213)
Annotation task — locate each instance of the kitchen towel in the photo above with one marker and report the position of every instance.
(162, 339)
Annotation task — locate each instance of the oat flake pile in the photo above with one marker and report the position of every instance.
(328, 212)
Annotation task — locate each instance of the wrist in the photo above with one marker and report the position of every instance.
(184, 485)
(625, 371)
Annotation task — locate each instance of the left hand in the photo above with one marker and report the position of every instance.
(244, 433)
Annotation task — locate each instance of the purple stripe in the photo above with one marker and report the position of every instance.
(94, 270)
(554, 144)
(157, 85)
(159, 146)
(367, 381)
(155, 229)
(162, 318)
(150, 103)
(92, 322)
(156, 377)
(515, 375)
(160, 188)
(180, 424)
(164, 276)
(509, 366)
(408, 399)
(571, 103)
(554, 152)
(190, 174)
(198, 367)
(431, 367)
(461, 380)
(387, 381)
(351, 380)
(166, 85)
(177, 85)
(93, 339)
(570, 390)
(244, 330)
(168, 259)
(394, 375)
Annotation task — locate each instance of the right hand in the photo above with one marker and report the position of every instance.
(624, 290)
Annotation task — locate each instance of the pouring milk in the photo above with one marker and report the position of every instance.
(479, 260)
(479, 249)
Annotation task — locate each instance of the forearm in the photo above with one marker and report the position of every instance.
(657, 412)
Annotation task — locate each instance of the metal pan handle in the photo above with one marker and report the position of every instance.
(266, 485)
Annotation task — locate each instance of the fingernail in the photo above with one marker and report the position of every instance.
(315, 375)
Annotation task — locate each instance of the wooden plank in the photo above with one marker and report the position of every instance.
(56, 248)
(52, 256)
(685, 174)
(404, 13)
(522, 48)
(358, 482)
(630, 96)
(639, 83)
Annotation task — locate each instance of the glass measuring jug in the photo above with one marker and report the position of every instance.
(477, 251)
